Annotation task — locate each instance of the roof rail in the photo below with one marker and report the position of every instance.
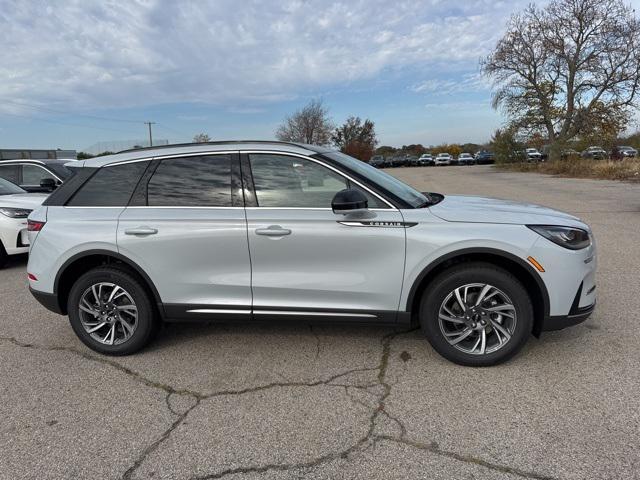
(221, 142)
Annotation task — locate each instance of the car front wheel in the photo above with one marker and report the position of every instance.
(476, 314)
(111, 312)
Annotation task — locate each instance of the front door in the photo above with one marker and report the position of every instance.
(305, 262)
(187, 230)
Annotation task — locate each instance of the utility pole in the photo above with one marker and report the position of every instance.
(150, 137)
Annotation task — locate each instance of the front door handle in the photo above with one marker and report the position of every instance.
(273, 231)
(141, 231)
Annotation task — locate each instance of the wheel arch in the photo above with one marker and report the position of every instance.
(85, 261)
(517, 266)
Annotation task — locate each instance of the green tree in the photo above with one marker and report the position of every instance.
(505, 145)
(201, 138)
(356, 138)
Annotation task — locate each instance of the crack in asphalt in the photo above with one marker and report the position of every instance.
(156, 443)
(366, 441)
(434, 448)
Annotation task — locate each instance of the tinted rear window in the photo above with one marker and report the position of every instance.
(191, 182)
(109, 186)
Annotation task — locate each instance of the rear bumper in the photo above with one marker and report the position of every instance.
(47, 300)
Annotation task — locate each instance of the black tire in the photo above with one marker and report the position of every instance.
(4, 258)
(147, 321)
(481, 273)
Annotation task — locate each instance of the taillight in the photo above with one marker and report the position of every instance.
(31, 276)
(34, 226)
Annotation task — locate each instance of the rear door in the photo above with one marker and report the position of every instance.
(186, 228)
(308, 261)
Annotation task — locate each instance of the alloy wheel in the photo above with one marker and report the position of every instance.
(477, 318)
(108, 313)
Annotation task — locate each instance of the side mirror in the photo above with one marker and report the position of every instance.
(48, 184)
(349, 200)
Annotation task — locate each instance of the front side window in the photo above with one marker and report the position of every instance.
(33, 174)
(386, 181)
(191, 182)
(293, 182)
(110, 186)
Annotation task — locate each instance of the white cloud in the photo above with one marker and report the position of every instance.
(92, 53)
(468, 83)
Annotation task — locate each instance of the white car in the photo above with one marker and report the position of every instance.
(15, 206)
(176, 241)
(533, 155)
(443, 159)
(466, 159)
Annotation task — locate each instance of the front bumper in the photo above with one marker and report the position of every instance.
(576, 314)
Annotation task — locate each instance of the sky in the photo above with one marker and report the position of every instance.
(77, 72)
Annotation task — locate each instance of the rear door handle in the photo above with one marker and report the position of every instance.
(273, 231)
(141, 231)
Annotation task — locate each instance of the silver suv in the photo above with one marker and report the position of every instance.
(235, 231)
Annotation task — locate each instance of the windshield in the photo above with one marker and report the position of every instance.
(386, 181)
(8, 188)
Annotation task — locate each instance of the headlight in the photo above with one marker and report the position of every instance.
(567, 237)
(14, 212)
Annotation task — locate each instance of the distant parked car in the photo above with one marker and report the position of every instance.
(395, 161)
(568, 153)
(533, 155)
(35, 175)
(426, 159)
(595, 153)
(15, 206)
(443, 159)
(411, 160)
(377, 161)
(627, 152)
(485, 157)
(466, 159)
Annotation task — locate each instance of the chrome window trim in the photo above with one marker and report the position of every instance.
(270, 152)
(86, 206)
(174, 155)
(184, 207)
(330, 167)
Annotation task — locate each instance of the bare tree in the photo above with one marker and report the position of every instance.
(569, 69)
(201, 138)
(311, 125)
(356, 138)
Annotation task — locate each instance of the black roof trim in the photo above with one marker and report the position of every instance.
(314, 148)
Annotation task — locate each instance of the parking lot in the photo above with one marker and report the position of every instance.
(293, 401)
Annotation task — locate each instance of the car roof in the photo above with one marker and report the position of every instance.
(206, 147)
(41, 161)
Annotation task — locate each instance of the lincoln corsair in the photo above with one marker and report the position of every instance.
(266, 231)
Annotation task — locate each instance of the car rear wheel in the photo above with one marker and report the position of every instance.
(476, 314)
(111, 312)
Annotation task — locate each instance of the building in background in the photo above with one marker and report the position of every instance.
(119, 145)
(26, 153)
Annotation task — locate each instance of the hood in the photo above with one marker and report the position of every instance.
(29, 201)
(458, 208)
